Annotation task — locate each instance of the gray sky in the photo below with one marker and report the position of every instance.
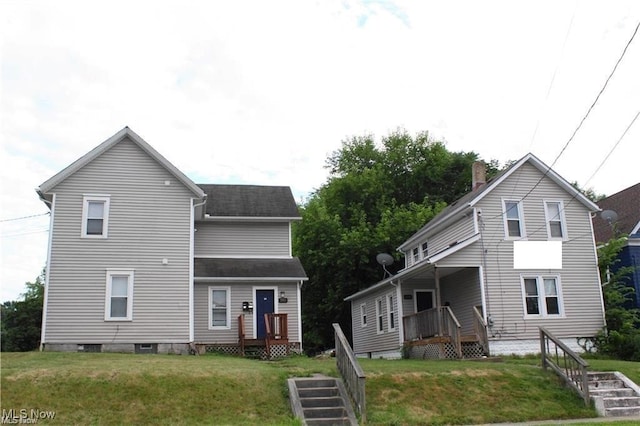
(261, 92)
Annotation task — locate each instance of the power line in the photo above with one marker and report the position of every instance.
(624, 51)
(604, 86)
(24, 217)
(613, 148)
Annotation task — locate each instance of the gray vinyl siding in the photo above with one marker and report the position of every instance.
(578, 277)
(366, 339)
(242, 292)
(462, 291)
(458, 231)
(242, 239)
(148, 221)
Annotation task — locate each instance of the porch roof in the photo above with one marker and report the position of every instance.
(225, 269)
(426, 266)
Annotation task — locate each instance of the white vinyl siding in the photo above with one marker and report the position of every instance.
(119, 297)
(391, 313)
(542, 295)
(513, 219)
(219, 308)
(363, 315)
(242, 239)
(95, 216)
(556, 225)
(147, 221)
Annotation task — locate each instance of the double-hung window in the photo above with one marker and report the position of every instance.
(425, 250)
(363, 315)
(379, 317)
(95, 216)
(391, 313)
(554, 212)
(219, 308)
(513, 220)
(415, 255)
(119, 298)
(542, 296)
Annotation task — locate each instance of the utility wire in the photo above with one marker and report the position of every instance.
(624, 51)
(24, 217)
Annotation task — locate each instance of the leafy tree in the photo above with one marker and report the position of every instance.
(22, 320)
(622, 336)
(376, 196)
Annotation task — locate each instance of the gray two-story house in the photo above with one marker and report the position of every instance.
(515, 254)
(142, 259)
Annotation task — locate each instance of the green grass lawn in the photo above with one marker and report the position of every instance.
(84, 388)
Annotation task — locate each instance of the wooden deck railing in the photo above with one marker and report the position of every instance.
(277, 331)
(566, 363)
(433, 322)
(351, 372)
(480, 327)
(241, 333)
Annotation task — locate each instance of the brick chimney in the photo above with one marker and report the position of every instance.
(478, 175)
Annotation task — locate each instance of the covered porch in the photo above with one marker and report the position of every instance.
(443, 312)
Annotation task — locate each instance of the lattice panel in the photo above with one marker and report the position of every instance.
(449, 351)
(472, 350)
(222, 349)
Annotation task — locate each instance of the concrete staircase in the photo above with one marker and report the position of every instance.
(614, 395)
(320, 401)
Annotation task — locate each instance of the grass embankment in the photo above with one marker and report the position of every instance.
(163, 389)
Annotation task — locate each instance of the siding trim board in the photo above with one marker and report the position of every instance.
(43, 332)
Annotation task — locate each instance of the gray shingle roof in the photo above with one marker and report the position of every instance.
(249, 268)
(626, 204)
(250, 201)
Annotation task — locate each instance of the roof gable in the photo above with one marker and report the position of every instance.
(469, 200)
(123, 134)
(253, 201)
(626, 204)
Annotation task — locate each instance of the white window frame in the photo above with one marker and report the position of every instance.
(523, 232)
(561, 219)
(379, 316)
(86, 199)
(129, 273)
(424, 249)
(392, 318)
(415, 254)
(228, 301)
(363, 315)
(542, 296)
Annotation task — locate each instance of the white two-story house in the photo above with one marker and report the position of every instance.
(142, 259)
(515, 254)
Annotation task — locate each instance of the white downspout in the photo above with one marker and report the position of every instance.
(299, 295)
(191, 267)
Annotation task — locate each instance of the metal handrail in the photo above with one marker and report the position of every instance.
(351, 372)
(566, 363)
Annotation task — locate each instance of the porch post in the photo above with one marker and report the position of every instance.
(436, 273)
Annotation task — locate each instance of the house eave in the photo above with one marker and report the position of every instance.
(247, 279)
(208, 218)
(126, 132)
(454, 216)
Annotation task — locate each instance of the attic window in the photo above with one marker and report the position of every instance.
(415, 254)
(95, 216)
(425, 250)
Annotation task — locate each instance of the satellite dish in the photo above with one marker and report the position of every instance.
(385, 259)
(609, 215)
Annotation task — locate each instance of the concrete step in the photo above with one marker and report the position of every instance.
(318, 392)
(612, 392)
(625, 401)
(324, 413)
(331, 401)
(606, 384)
(320, 401)
(605, 375)
(623, 411)
(341, 421)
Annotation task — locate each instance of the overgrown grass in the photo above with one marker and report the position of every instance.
(212, 389)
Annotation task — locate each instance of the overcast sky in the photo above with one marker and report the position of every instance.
(261, 92)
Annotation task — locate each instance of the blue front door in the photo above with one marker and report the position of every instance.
(264, 305)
